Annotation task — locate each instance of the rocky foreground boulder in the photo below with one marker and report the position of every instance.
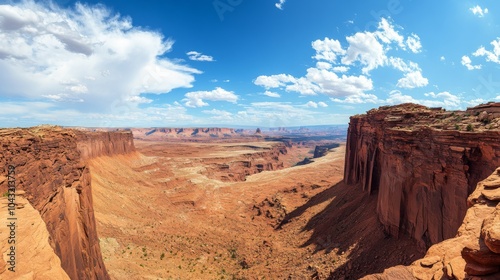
(474, 253)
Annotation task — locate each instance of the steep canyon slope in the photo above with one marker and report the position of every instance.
(422, 163)
(474, 253)
(51, 169)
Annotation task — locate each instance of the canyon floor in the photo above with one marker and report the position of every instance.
(161, 216)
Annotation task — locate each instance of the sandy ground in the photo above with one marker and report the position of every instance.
(159, 217)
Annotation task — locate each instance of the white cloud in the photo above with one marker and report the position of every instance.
(274, 81)
(85, 54)
(413, 43)
(323, 65)
(196, 98)
(280, 4)
(311, 104)
(317, 81)
(219, 115)
(139, 99)
(272, 94)
(327, 49)
(340, 69)
(322, 104)
(387, 34)
(442, 58)
(467, 63)
(477, 10)
(493, 56)
(331, 84)
(412, 80)
(442, 99)
(448, 100)
(477, 101)
(357, 99)
(34, 113)
(196, 56)
(366, 49)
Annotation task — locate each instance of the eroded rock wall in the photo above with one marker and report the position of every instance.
(421, 165)
(474, 253)
(50, 167)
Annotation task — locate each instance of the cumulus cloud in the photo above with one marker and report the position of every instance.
(280, 4)
(196, 98)
(317, 81)
(413, 43)
(274, 81)
(412, 79)
(327, 49)
(196, 56)
(492, 56)
(322, 104)
(477, 10)
(466, 61)
(365, 50)
(272, 94)
(85, 56)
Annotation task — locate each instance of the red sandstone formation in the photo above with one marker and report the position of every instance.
(169, 133)
(230, 170)
(50, 168)
(422, 163)
(473, 253)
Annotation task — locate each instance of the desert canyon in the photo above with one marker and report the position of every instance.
(410, 192)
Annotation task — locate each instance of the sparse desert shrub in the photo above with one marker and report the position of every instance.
(469, 127)
(457, 127)
(162, 256)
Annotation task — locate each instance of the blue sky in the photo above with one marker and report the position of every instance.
(260, 63)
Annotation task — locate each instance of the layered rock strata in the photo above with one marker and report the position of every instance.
(422, 163)
(50, 167)
(474, 253)
(252, 163)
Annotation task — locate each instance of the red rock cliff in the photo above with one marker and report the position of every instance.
(50, 168)
(474, 253)
(422, 164)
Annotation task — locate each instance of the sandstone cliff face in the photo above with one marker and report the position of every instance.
(422, 163)
(474, 253)
(50, 168)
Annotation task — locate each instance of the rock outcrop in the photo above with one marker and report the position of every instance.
(473, 253)
(237, 169)
(322, 150)
(422, 163)
(50, 167)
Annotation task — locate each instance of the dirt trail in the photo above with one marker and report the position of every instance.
(159, 217)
